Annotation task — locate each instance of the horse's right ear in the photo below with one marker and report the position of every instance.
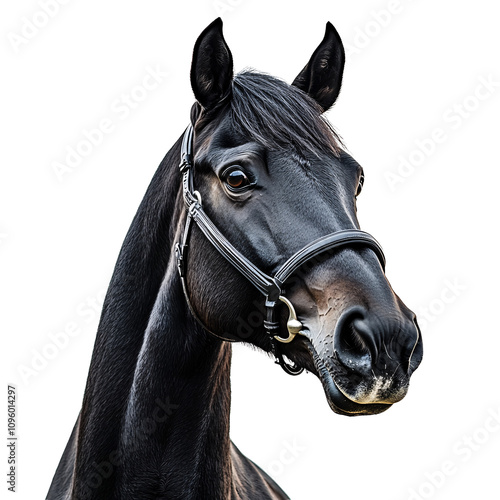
(212, 66)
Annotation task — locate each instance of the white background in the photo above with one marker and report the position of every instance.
(408, 73)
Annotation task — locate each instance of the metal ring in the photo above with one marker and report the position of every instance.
(294, 326)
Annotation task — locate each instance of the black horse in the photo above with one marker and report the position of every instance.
(270, 173)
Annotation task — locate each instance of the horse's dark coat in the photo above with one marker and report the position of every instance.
(155, 416)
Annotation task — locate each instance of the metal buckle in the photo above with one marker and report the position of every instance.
(195, 203)
(186, 162)
(179, 254)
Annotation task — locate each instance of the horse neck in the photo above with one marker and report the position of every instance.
(155, 414)
(176, 425)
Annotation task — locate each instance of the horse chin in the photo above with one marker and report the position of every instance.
(337, 400)
(341, 404)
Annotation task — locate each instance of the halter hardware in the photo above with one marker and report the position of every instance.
(269, 286)
(294, 326)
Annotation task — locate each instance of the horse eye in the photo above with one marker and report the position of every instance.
(236, 179)
(360, 184)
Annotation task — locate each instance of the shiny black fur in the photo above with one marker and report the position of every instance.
(154, 422)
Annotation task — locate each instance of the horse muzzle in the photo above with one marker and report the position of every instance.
(366, 364)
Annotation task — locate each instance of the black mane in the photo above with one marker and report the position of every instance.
(277, 115)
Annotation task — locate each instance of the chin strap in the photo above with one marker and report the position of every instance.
(271, 287)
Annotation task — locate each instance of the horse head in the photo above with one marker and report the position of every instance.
(272, 175)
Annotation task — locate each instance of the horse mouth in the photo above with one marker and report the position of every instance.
(339, 402)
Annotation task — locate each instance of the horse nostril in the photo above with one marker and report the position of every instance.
(354, 342)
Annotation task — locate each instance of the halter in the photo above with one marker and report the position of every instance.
(271, 287)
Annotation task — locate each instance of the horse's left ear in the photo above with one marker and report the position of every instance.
(322, 76)
(212, 66)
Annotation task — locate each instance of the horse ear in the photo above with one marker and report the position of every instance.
(212, 66)
(322, 76)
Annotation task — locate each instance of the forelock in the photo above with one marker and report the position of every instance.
(279, 116)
